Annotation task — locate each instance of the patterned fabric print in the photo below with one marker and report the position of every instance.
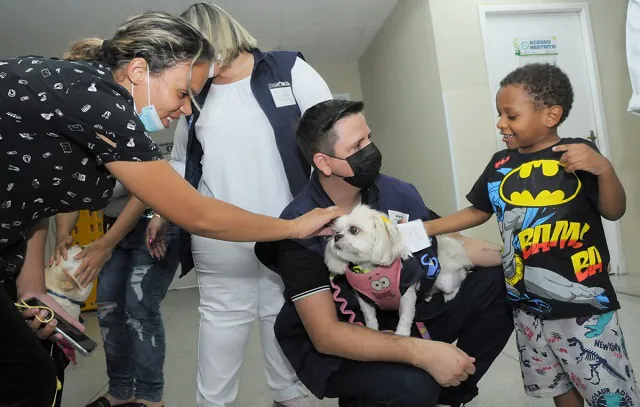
(54, 119)
(587, 353)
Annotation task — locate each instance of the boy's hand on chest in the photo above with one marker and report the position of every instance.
(581, 157)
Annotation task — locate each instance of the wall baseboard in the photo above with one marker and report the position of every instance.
(183, 288)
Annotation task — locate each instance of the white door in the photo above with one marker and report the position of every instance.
(516, 35)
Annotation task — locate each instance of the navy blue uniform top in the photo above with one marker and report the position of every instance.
(301, 265)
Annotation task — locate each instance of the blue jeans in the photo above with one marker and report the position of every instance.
(131, 286)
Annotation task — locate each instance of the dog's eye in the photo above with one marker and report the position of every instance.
(354, 230)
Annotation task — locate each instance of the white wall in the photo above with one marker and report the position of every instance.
(341, 77)
(403, 104)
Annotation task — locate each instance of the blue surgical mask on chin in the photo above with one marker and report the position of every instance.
(148, 115)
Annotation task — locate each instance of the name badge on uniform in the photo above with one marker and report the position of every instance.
(396, 217)
(282, 94)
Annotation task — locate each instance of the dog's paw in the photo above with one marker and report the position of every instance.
(403, 331)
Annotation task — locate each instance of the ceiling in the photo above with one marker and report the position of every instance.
(323, 30)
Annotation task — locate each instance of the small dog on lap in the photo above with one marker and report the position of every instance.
(370, 251)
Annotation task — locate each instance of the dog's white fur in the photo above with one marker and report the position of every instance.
(61, 280)
(454, 267)
(364, 238)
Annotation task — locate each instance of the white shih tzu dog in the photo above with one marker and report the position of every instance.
(63, 286)
(369, 249)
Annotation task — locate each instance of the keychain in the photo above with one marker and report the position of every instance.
(23, 304)
(40, 307)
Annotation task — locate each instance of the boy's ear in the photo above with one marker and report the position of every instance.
(553, 116)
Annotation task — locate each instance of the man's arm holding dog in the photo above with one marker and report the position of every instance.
(316, 308)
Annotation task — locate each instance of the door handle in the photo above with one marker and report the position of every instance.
(593, 138)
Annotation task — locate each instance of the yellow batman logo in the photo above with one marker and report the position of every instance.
(518, 268)
(539, 184)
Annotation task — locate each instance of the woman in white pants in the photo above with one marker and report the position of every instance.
(249, 158)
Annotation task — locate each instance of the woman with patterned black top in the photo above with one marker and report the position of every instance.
(67, 129)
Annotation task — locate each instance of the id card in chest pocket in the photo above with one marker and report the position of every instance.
(396, 217)
(282, 94)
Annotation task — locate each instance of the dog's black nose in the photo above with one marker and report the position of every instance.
(338, 236)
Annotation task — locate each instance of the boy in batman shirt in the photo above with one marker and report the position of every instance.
(548, 195)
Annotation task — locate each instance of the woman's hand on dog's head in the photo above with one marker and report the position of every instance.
(93, 257)
(315, 223)
(63, 243)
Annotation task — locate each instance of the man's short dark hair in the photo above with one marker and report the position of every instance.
(547, 85)
(315, 132)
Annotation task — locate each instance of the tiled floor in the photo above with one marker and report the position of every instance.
(501, 386)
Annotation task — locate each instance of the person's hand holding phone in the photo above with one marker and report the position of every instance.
(43, 329)
(46, 330)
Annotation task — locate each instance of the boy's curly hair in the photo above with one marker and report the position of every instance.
(547, 85)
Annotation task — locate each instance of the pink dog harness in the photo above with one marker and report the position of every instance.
(385, 285)
(381, 285)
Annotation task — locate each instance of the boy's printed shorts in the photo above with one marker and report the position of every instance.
(587, 353)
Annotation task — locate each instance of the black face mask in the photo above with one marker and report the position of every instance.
(365, 165)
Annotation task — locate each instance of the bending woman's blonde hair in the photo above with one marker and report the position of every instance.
(226, 35)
